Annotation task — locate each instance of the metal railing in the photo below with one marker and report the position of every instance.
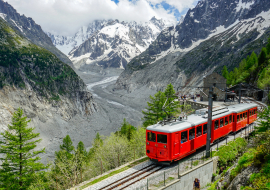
(163, 177)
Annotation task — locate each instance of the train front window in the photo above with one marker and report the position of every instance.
(216, 124)
(221, 122)
(191, 134)
(230, 119)
(199, 131)
(184, 137)
(151, 136)
(162, 138)
(204, 128)
(226, 121)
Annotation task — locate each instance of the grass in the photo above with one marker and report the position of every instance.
(195, 163)
(114, 172)
(161, 183)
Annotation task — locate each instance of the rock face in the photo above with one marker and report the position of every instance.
(213, 34)
(48, 90)
(115, 44)
(242, 179)
(29, 29)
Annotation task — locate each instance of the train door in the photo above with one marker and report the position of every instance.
(199, 140)
(162, 145)
(176, 148)
(184, 143)
(192, 139)
(216, 130)
(151, 149)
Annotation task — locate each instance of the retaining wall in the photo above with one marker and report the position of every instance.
(203, 172)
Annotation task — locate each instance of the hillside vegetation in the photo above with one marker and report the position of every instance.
(255, 70)
(25, 65)
(245, 164)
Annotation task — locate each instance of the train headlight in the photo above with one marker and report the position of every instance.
(165, 146)
(147, 143)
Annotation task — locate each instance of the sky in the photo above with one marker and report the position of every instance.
(65, 17)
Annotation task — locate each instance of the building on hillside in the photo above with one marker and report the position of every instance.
(219, 83)
(248, 90)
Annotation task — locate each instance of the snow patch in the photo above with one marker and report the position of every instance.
(242, 5)
(3, 16)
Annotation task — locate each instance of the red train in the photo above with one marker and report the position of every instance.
(175, 140)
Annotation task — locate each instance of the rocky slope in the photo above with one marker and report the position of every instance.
(29, 29)
(213, 34)
(115, 44)
(51, 94)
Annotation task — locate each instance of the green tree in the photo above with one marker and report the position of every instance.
(127, 129)
(268, 46)
(98, 142)
(81, 148)
(262, 56)
(252, 60)
(154, 111)
(171, 106)
(264, 122)
(67, 144)
(225, 72)
(20, 161)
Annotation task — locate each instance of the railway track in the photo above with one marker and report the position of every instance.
(133, 178)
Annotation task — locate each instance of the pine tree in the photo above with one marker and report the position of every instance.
(19, 160)
(262, 56)
(67, 144)
(127, 129)
(268, 46)
(172, 106)
(154, 111)
(252, 60)
(225, 72)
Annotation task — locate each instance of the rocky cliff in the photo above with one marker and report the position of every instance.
(213, 34)
(51, 94)
(29, 29)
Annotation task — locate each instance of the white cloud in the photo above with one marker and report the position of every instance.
(67, 16)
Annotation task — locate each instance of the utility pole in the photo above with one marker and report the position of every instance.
(209, 123)
(226, 93)
(240, 85)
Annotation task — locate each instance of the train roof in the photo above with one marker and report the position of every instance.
(197, 119)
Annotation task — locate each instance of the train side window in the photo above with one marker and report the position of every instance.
(241, 117)
(216, 124)
(162, 138)
(250, 113)
(233, 118)
(230, 118)
(151, 136)
(221, 122)
(226, 121)
(191, 134)
(246, 115)
(199, 131)
(204, 128)
(237, 118)
(184, 137)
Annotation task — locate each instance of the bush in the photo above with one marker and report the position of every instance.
(228, 153)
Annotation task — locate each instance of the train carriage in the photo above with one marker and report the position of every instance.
(173, 141)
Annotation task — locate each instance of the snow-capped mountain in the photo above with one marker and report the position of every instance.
(213, 34)
(67, 43)
(113, 43)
